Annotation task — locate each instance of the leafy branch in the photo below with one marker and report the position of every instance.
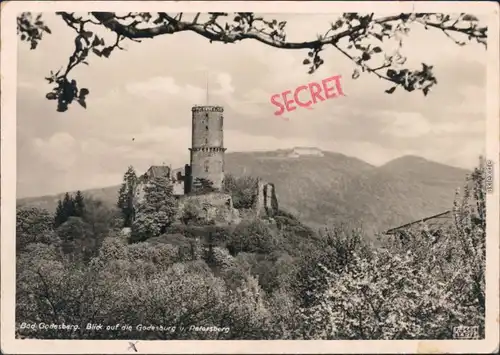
(359, 37)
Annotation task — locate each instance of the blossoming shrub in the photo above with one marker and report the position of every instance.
(416, 287)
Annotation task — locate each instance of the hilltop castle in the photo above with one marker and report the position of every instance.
(206, 168)
(206, 154)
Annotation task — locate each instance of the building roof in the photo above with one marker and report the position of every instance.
(438, 221)
(159, 171)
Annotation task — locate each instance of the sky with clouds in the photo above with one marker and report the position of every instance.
(139, 107)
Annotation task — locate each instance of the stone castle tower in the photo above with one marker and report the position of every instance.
(207, 145)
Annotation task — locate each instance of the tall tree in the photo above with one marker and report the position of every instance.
(79, 204)
(68, 206)
(355, 36)
(126, 196)
(156, 212)
(59, 217)
(65, 209)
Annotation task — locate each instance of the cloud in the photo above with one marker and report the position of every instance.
(415, 124)
(165, 88)
(160, 89)
(159, 85)
(406, 124)
(60, 150)
(225, 82)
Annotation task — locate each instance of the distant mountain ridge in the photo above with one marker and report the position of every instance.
(322, 187)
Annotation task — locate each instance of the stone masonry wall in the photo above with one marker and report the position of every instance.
(266, 203)
(212, 207)
(207, 144)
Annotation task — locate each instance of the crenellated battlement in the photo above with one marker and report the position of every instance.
(208, 149)
(207, 109)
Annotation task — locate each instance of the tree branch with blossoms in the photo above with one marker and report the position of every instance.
(359, 37)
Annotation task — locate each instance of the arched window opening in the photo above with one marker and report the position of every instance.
(206, 166)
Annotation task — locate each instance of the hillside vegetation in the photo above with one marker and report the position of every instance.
(335, 188)
(260, 279)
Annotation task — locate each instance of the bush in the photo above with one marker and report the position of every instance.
(335, 249)
(161, 255)
(252, 236)
(189, 213)
(204, 186)
(243, 190)
(34, 225)
(76, 238)
(217, 235)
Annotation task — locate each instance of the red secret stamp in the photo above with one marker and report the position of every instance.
(329, 88)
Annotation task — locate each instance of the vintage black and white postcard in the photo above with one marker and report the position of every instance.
(249, 177)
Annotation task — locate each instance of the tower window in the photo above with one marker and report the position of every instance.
(206, 115)
(206, 166)
(206, 127)
(206, 140)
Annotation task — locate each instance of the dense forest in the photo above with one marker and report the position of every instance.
(260, 279)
